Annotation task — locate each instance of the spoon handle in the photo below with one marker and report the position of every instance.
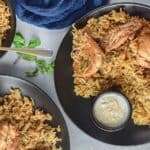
(30, 51)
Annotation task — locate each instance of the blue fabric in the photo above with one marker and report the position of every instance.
(53, 14)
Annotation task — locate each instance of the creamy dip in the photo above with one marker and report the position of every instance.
(111, 109)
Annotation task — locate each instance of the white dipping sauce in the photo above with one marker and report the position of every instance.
(111, 109)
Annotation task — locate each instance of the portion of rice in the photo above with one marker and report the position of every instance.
(36, 134)
(120, 72)
(4, 20)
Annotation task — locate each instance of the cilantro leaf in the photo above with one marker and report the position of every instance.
(51, 67)
(27, 57)
(19, 40)
(33, 43)
(32, 73)
(42, 65)
(45, 67)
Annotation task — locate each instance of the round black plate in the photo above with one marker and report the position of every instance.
(79, 109)
(42, 100)
(10, 33)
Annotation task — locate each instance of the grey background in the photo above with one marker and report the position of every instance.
(52, 39)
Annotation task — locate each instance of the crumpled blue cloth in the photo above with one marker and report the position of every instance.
(53, 14)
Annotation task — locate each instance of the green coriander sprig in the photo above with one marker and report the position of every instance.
(42, 66)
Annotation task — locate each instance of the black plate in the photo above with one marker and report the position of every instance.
(79, 109)
(42, 100)
(10, 33)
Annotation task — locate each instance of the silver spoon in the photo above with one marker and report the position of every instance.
(30, 51)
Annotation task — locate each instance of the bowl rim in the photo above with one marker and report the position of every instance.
(101, 125)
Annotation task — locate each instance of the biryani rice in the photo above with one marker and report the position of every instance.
(118, 71)
(4, 20)
(36, 134)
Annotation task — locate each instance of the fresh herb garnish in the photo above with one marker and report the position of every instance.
(32, 73)
(33, 43)
(45, 67)
(19, 40)
(27, 57)
(42, 66)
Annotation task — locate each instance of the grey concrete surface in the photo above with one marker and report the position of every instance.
(52, 39)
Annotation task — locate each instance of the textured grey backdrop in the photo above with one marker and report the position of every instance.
(52, 39)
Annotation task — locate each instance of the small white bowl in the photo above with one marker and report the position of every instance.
(111, 111)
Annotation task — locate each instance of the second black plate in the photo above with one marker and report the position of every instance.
(42, 100)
